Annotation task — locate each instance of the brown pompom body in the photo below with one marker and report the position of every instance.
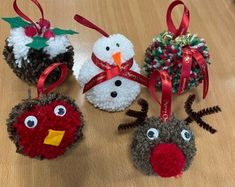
(37, 61)
(34, 146)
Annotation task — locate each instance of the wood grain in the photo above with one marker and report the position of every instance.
(102, 158)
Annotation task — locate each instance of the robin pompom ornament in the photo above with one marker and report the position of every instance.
(183, 55)
(47, 126)
(111, 77)
(165, 146)
(33, 46)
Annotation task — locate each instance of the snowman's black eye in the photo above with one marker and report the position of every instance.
(117, 44)
(107, 48)
(60, 110)
(186, 135)
(31, 122)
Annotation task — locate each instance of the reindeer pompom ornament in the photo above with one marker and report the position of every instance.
(164, 146)
(110, 78)
(33, 46)
(183, 55)
(47, 126)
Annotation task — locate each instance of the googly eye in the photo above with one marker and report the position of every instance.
(31, 122)
(152, 133)
(186, 135)
(107, 48)
(60, 110)
(117, 44)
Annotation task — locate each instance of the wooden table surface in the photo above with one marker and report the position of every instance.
(102, 158)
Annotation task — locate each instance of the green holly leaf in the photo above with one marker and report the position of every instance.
(16, 22)
(58, 31)
(38, 43)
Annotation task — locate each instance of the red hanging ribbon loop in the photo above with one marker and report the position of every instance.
(188, 55)
(42, 79)
(25, 17)
(88, 24)
(111, 71)
(183, 27)
(166, 100)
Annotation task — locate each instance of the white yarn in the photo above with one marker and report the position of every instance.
(100, 95)
(57, 45)
(18, 40)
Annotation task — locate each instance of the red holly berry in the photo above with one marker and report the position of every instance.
(30, 31)
(48, 34)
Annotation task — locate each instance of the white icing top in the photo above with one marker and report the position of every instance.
(18, 40)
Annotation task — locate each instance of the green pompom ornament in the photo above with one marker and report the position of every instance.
(166, 53)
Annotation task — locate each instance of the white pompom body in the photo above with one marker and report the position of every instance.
(117, 93)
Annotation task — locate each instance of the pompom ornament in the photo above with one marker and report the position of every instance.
(183, 55)
(164, 146)
(47, 126)
(110, 78)
(33, 46)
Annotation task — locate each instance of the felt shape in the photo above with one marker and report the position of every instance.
(168, 52)
(106, 78)
(58, 31)
(164, 146)
(38, 43)
(47, 126)
(33, 46)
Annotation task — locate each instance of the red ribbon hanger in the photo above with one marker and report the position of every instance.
(188, 52)
(42, 23)
(42, 79)
(88, 24)
(166, 99)
(183, 27)
(111, 71)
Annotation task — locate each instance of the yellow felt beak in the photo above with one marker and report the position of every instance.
(54, 137)
(117, 58)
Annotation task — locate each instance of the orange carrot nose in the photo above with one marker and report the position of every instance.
(117, 58)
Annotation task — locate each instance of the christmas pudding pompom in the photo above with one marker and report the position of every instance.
(183, 55)
(47, 126)
(32, 46)
(110, 77)
(164, 146)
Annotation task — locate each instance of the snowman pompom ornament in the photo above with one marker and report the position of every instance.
(111, 78)
(47, 126)
(165, 146)
(183, 55)
(32, 46)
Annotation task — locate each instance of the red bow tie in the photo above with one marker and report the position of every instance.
(111, 71)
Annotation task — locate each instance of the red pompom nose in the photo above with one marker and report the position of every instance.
(167, 160)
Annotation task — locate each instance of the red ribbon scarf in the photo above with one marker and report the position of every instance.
(42, 79)
(188, 53)
(42, 27)
(166, 100)
(111, 71)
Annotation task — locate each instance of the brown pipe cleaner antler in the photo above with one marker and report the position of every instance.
(196, 116)
(140, 115)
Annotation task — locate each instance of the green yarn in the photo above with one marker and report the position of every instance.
(165, 53)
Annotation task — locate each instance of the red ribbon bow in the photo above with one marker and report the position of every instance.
(41, 28)
(188, 52)
(111, 71)
(166, 100)
(42, 79)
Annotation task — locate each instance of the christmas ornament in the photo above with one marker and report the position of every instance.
(164, 146)
(47, 126)
(182, 54)
(111, 78)
(33, 46)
